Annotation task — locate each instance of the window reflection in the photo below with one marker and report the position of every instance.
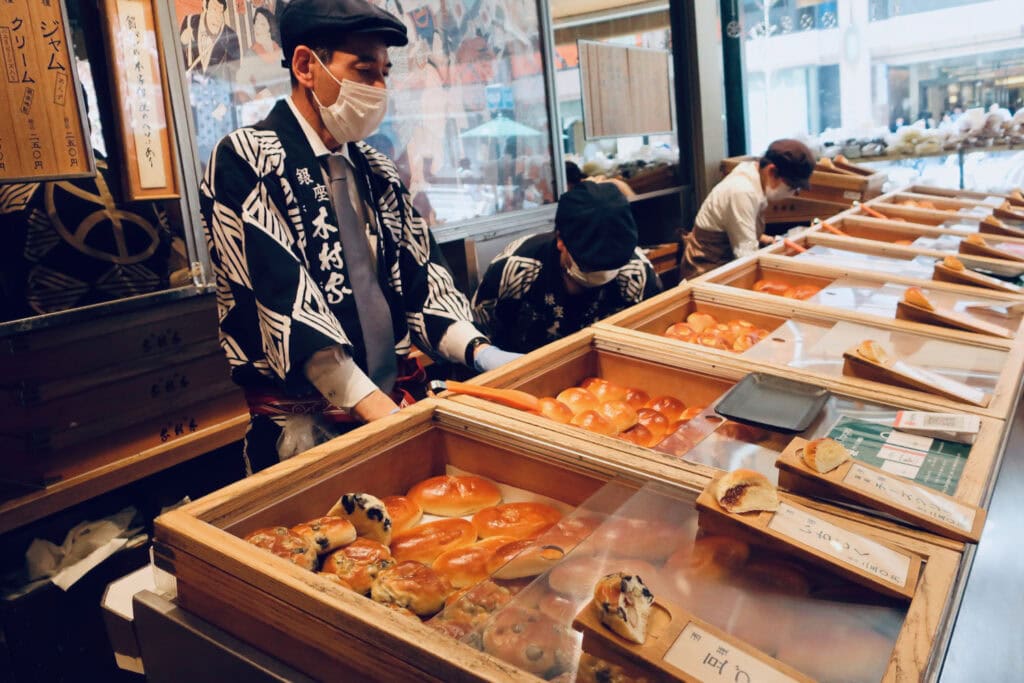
(467, 123)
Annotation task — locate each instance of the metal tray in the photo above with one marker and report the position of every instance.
(773, 402)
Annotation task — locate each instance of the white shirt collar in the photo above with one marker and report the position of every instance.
(319, 148)
(752, 170)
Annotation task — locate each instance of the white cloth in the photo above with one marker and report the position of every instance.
(736, 207)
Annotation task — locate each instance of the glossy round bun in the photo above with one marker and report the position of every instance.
(578, 400)
(529, 640)
(804, 292)
(326, 533)
(681, 332)
(468, 565)
(636, 398)
(553, 409)
(520, 559)
(668, 406)
(607, 391)
(404, 511)
(654, 421)
(594, 421)
(771, 287)
(519, 520)
(284, 543)
(412, 585)
(620, 414)
(454, 496)
(426, 541)
(358, 563)
(640, 435)
(701, 321)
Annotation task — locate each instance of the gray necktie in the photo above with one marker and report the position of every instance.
(372, 307)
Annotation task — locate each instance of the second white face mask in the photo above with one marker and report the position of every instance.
(357, 112)
(593, 278)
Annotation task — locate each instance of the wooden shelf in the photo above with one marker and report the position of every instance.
(118, 465)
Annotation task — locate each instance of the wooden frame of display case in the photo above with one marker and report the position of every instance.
(327, 632)
(960, 194)
(642, 360)
(913, 214)
(859, 226)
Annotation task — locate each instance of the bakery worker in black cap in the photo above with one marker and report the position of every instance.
(547, 286)
(326, 275)
(730, 223)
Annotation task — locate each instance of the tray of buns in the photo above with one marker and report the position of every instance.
(298, 561)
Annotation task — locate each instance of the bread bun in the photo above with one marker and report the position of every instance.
(520, 559)
(914, 295)
(976, 239)
(700, 321)
(789, 293)
(404, 511)
(746, 491)
(739, 326)
(358, 563)
(529, 640)
(454, 496)
(624, 604)
(804, 292)
(578, 400)
(404, 611)
(619, 414)
(824, 455)
(641, 436)
(519, 520)
(690, 413)
(744, 341)
(368, 515)
(284, 543)
(724, 331)
(606, 391)
(593, 421)
(873, 351)
(953, 263)
(668, 406)
(636, 398)
(680, 332)
(474, 605)
(655, 422)
(710, 557)
(714, 340)
(771, 287)
(335, 579)
(426, 541)
(326, 533)
(468, 565)
(553, 409)
(412, 585)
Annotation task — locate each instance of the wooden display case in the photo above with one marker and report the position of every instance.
(900, 232)
(617, 351)
(331, 633)
(962, 194)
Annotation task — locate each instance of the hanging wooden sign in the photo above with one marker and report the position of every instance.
(143, 109)
(42, 131)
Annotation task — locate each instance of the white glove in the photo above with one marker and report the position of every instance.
(491, 357)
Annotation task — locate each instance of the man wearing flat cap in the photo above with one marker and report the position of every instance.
(326, 274)
(730, 223)
(545, 287)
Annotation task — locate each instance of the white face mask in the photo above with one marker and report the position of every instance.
(357, 112)
(593, 278)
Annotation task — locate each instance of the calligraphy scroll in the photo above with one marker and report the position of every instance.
(626, 90)
(42, 134)
(143, 102)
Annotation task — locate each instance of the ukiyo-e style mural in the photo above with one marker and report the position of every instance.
(467, 123)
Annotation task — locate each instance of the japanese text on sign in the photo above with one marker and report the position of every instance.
(846, 546)
(143, 94)
(910, 496)
(708, 658)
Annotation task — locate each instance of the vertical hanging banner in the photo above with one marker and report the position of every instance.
(143, 103)
(42, 132)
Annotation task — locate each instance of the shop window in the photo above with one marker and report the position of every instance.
(75, 243)
(467, 123)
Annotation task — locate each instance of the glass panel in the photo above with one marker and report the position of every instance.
(467, 124)
(647, 162)
(907, 81)
(79, 242)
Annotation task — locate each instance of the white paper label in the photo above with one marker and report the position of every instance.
(910, 496)
(900, 469)
(940, 423)
(904, 440)
(944, 384)
(709, 658)
(904, 456)
(850, 548)
(850, 194)
(144, 93)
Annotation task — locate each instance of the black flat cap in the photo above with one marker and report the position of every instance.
(794, 161)
(596, 224)
(300, 19)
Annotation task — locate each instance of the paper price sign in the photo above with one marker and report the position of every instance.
(706, 657)
(908, 495)
(882, 563)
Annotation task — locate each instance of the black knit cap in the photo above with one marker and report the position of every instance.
(300, 19)
(596, 224)
(794, 162)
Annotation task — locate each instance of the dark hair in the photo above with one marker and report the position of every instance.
(223, 3)
(573, 174)
(323, 44)
(271, 22)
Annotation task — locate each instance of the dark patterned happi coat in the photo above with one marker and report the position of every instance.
(523, 303)
(282, 283)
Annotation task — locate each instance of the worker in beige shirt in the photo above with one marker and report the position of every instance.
(730, 223)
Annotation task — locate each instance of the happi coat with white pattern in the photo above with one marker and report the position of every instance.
(281, 280)
(523, 304)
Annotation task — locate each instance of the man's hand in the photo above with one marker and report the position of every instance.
(489, 357)
(766, 240)
(375, 406)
